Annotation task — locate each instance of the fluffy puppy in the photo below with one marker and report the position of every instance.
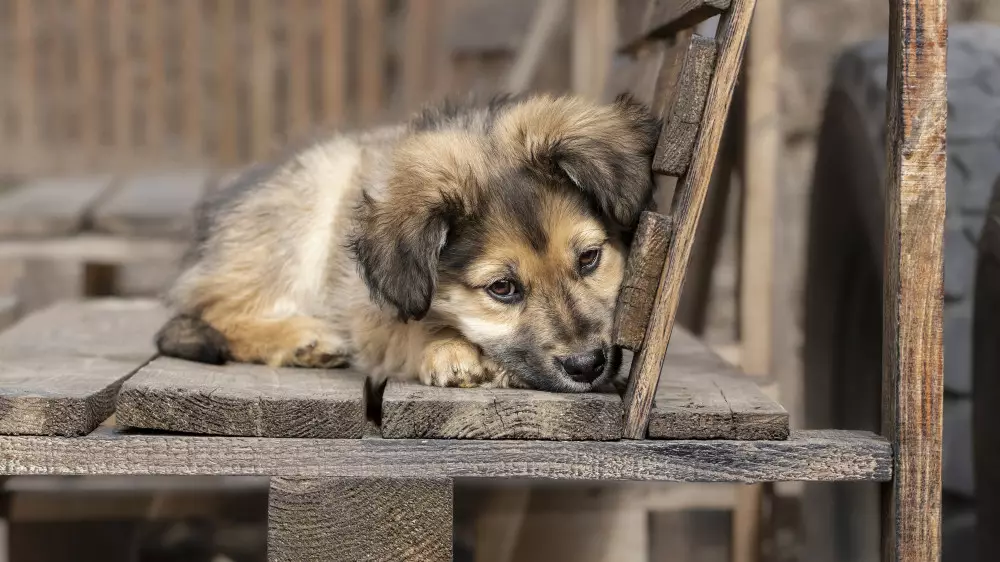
(476, 245)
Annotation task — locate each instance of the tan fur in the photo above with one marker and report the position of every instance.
(276, 277)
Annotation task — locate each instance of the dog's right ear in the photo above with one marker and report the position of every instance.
(403, 224)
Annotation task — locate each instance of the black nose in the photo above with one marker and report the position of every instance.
(584, 367)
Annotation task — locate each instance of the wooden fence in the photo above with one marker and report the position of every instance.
(99, 84)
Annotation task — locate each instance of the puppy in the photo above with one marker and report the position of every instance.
(476, 245)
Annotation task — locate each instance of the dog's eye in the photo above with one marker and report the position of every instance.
(503, 290)
(588, 260)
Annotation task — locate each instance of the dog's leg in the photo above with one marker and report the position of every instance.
(296, 341)
(451, 360)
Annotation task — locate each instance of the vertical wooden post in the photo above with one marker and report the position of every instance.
(912, 357)
(351, 519)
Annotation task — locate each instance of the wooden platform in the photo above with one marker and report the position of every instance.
(69, 367)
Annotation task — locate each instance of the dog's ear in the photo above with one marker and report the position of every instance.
(606, 151)
(403, 222)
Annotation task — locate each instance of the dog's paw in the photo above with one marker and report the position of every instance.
(321, 353)
(456, 362)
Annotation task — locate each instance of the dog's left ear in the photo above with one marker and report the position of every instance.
(606, 151)
(403, 222)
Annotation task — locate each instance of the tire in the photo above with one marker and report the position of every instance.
(843, 311)
(985, 367)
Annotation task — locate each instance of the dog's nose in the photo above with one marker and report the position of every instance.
(584, 367)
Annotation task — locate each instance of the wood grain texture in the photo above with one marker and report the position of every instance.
(355, 519)
(681, 91)
(153, 205)
(411, 410)
(243, 400)
(49, 207)
(912, 356)
(688, 202)
(642, 275)
(63, 366)
(826, 455)
(700, 396)
(669, 16)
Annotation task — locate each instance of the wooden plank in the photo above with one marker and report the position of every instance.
(702, 397)
(10, 309)
(25, 42)
(153, 205)
(243, 400)
(350, 519)
(688, 202)
(63, 366)
(49, 207)
(681, 91)
(88, 73)
(334, 44)
(592, 46)
(155, 65)
(262, 78)
(416, 411)
(416, 53)
(227, 129)
(371, 63)
(823, 455)
(912, 356)
(93, 248)
(122, 87)
(192, 55)
(298, 22)
(670, 16)
(642, 274)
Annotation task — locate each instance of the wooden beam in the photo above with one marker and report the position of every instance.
(350, 519)
(912, 357)
(50, 206)
(688, 202)
(153, 205)
(670, 16)
(828, 455)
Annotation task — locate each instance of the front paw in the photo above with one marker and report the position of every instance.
(456, 362)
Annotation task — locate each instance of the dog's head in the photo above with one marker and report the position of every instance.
(515, 233)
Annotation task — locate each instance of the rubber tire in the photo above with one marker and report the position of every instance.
(986, 367)
(843, 312)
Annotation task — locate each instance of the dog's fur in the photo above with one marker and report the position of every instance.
(376, 248)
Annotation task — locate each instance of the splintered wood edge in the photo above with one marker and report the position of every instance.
(413, 411)
(642, 275)
(694, 59)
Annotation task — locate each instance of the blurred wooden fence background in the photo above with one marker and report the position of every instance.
(97, 84)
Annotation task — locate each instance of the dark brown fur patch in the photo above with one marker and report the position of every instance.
(189, 337)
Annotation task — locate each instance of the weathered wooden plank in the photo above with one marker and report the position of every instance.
(670, 16)
(700, 396)
(412, 410)
(681, 91)
(243, 400)
(912, 357)
(153, 205)
(349, 519)
(49, 207)
(642, 274)
(827, 455)
(688, 202)
(63, 366)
